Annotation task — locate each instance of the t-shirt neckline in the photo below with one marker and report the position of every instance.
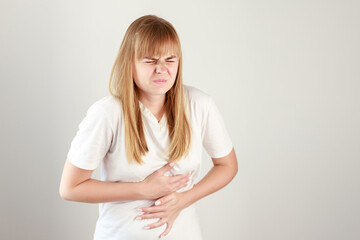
(150, 115)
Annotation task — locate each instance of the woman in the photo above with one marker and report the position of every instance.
(148, 136)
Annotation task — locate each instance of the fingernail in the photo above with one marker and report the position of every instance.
(138, 218)
(139, 209)
(147, 227)
(157, 202)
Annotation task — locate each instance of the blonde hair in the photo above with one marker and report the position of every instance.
(150, 35)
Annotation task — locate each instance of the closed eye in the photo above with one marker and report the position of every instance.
(154, 61)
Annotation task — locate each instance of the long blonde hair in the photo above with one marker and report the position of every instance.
(150, 35)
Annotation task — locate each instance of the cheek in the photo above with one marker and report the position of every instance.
(144, 72)
(174, 69)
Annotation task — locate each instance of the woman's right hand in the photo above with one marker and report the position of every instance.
(158, 184)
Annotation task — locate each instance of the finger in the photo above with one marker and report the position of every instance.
(167, 230)
(155, 225)
(163, 200)
(179, 178)
(180, 184)
(166, 168)
(159, 208)
(148, 216)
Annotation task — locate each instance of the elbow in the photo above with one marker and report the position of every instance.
(235, 164)
(64, 193)
(236, 170)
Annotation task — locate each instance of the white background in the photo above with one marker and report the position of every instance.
(284, 74)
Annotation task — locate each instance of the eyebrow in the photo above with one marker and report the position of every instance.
(171, 57)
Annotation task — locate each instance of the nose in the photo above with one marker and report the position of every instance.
(160, 68)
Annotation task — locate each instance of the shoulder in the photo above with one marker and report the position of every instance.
(108, 103)
(196, 95)
(197, 98)
(109, 106)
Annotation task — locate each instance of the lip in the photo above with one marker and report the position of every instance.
(160, 81)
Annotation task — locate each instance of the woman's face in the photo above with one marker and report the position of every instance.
(155, 75)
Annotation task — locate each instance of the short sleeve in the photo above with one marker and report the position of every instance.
(92, 140)
(215, 137)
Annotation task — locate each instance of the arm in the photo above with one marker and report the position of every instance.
(223, 171)
(77, 185)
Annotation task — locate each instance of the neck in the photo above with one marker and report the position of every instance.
(155, 104)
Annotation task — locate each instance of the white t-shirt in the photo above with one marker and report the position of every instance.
(100, 139)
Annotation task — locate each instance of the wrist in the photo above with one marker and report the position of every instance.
(186, 198)
(141, 190)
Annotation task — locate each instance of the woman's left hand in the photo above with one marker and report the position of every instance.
(167, 208)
